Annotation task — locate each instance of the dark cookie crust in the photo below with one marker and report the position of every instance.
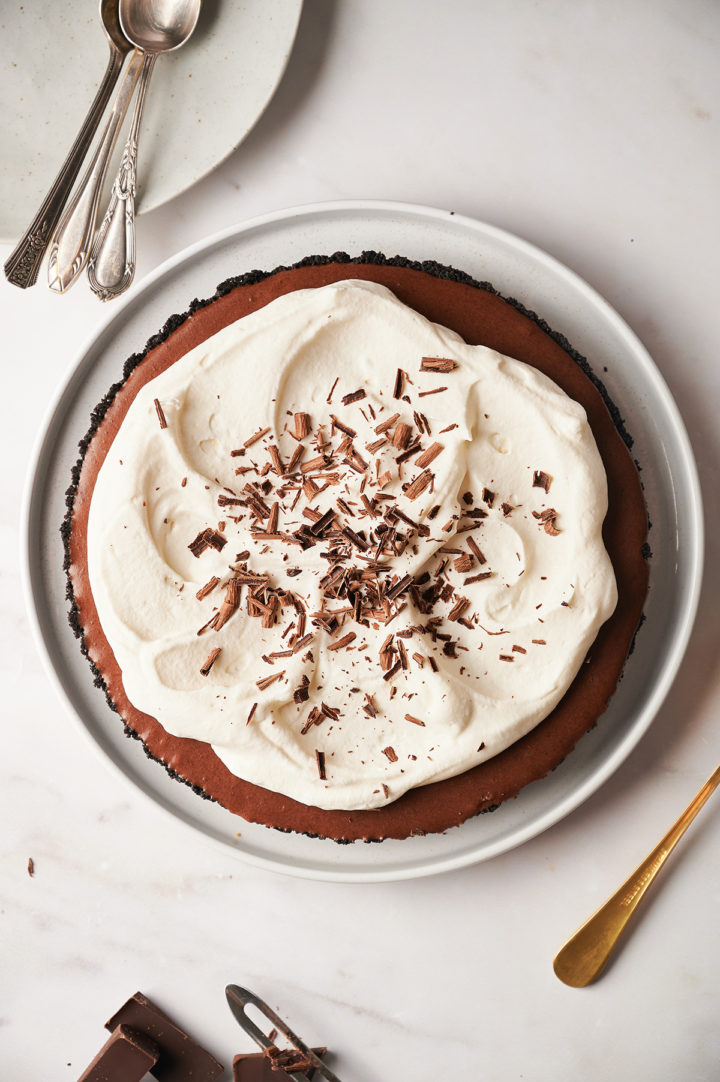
(451, 297)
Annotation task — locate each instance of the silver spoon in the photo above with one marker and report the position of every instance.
(23, 264)
(154, 26)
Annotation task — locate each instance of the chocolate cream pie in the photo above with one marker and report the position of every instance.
(338, 549)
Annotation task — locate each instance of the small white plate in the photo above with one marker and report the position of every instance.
(570, 307)
(202, 102)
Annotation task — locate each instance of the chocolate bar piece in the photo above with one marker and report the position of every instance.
(256, 1067)
(126, 1056)
(181, 1059)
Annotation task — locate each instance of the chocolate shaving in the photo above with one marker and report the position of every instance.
(343, 427)
(472, 545)
(412, 450)
(332, 390)
(276, 460)
(355, 538)
(356, 461)
(400, 587)
(435, 390)
(314, 464)
(428, 455)
(230, 604)
(210, 661)
(295, 460)
(207, 538)
(320, 760)
(250, 578)
(401, 436)
(266, 681)
(386, 424)
(392, 671)
(458, 608)
(322, 522)
(488, 496)
(414, 720)
(418, 486)
(478, 578)
(399, 384)
(160, 414)
(288, 1059)
(310, 489)
(438, 364)
(354, 396)
(506, 657)
(344, 641)
(542, 480)
(257, 436)
(390, 752)
(207, 588)
(302, 425)
(303, 642)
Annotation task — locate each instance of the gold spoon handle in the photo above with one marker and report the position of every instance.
(586, 953)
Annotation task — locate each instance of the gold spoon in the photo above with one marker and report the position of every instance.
(585, 954)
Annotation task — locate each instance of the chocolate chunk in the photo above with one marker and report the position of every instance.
(181, 1059)
(257, 1067)
(126, 1056)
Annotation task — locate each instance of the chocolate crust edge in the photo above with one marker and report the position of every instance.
(253, 277)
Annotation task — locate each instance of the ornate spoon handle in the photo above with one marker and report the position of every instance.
(71, 244)
(23, 264)
(111, 267)
(585, 954)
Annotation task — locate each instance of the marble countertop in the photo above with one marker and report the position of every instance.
(592, 131)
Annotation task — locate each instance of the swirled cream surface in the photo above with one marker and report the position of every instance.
(351, 552)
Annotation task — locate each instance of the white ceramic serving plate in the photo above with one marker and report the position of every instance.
(569, 306)
(202, 102)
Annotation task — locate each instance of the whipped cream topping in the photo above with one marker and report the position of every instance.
(350, 551)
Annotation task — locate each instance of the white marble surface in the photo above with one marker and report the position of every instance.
(591, 130)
